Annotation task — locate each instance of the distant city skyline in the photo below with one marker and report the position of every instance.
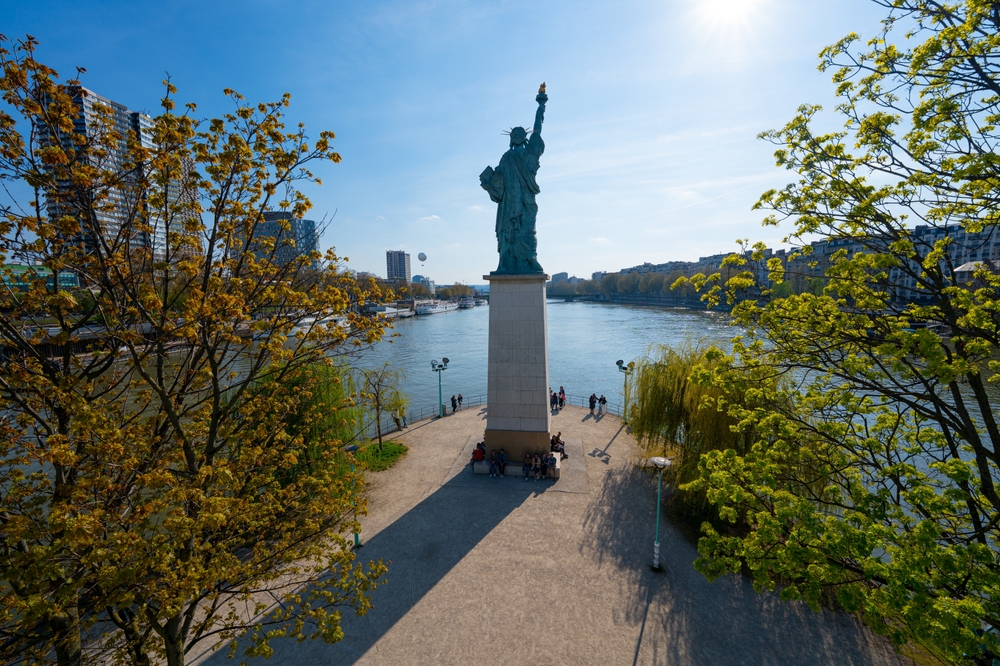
(654, 107)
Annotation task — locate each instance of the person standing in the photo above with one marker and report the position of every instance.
(454, 405)
(562, 397)
(553, 400)
(494, 463)
(460, 401)
(502, 462)
(593, 402)
(602, 404)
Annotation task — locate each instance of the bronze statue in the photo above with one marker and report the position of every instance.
(513, 187)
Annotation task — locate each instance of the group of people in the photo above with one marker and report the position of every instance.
(599, 403)
(456, 403)
(541, 466)
(557, 400)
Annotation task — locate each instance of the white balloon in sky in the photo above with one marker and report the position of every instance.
(422, 257)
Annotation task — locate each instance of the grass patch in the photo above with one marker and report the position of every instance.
(375, 460)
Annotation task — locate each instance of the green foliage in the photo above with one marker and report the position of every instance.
(377, 458)
(875, 479)
(609, 284)
(324, 410)
(561, 289)
(163, 490)
(453, 291)
(679, 409)
(378, 392)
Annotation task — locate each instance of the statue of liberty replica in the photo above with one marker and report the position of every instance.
(513, 187)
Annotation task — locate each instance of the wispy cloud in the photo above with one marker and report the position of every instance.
(429, 218)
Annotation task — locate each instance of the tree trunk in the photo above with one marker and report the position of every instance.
(69, 650)
(173, 641)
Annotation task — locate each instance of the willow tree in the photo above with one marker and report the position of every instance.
(678, 410)
(151, 493)
(896, 406)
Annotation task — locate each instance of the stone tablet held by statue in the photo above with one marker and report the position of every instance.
(512, 187)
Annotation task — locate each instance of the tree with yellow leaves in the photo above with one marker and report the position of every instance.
(161, 486)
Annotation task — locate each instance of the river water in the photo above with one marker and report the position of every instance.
(585, 340)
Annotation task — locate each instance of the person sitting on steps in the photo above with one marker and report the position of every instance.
(478, 454)
(502, 461)
(551, 460)
(558, 445)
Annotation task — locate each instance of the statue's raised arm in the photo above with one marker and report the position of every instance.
(541, 98)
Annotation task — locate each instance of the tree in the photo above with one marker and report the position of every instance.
(153, 492)
(628, 283)
(417, 290)
(562, 289)
(609, 284)
(651, 283)
(874, 479)
(454, 291)
(378, 391)
(676, 410)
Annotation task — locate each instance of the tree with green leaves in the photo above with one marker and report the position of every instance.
(379, 393)
(161, 486)
(873, 477)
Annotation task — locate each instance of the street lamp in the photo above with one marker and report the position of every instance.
(660, 464)
(627, 369)
(351, 448)
(439, 368)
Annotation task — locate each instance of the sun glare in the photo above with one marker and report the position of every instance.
(728, 16)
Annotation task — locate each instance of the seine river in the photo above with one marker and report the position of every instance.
(585, 340)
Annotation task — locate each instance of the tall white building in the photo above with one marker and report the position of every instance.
(124, 210)
(397, 265)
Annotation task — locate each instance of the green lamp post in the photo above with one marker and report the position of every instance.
(351, 448)
(660, 464)
(627, 370)
(439, 368)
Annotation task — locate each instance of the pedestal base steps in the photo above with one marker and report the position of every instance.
(517, 442)
(518, 381)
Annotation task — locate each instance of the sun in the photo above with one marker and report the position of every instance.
(727, 16)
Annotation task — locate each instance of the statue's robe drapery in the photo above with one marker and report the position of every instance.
(513, 187)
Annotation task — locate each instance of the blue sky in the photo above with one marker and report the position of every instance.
(650, 130)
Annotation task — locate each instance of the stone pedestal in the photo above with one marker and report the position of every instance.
(517, 396)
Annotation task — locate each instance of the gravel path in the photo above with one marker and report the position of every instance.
(490, 571)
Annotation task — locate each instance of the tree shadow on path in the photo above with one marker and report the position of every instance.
(421, 547)
(685, 619)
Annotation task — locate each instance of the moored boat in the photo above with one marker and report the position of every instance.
(436, 308)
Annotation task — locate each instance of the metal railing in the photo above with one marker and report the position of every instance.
(415, 414)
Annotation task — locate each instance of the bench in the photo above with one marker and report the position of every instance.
(514, 469)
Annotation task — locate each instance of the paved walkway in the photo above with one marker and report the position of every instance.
(489, 571)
